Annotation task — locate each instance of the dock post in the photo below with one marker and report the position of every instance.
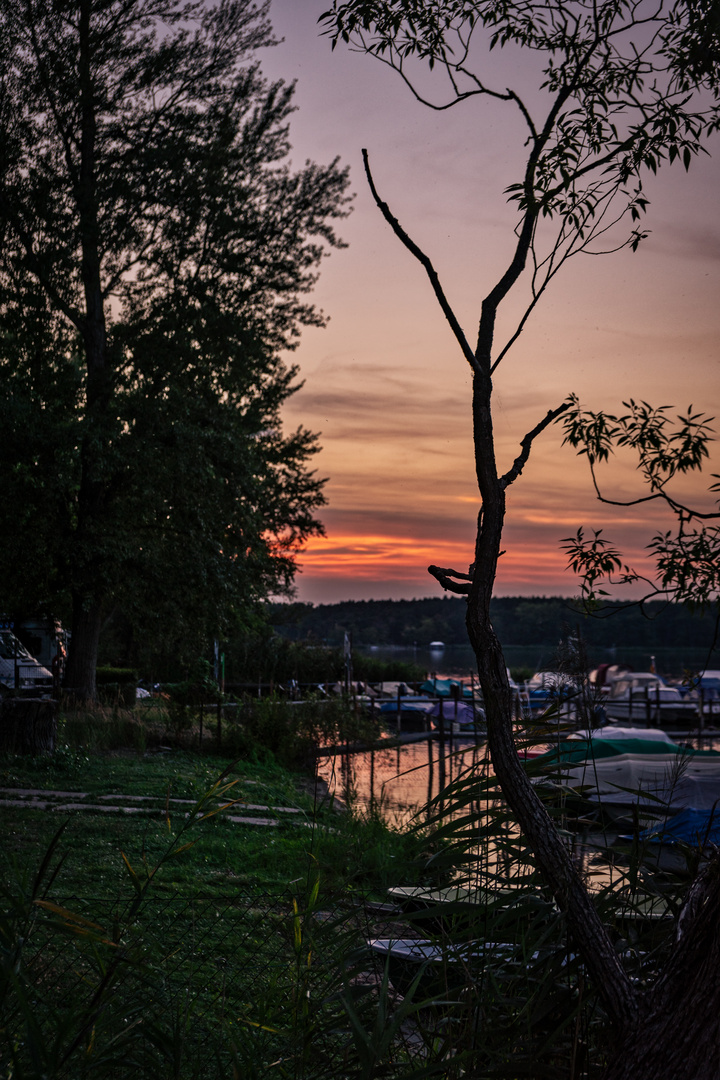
(441, 750)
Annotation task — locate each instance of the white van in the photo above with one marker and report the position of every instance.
(19, 670)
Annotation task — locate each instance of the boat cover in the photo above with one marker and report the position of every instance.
(454, 713)
(690, 826)
(443, 687)
(615, 731)
(626, 771)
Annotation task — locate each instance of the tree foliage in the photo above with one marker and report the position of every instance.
(616, 97)
(687, 557)
(623, 88)
(157, 252)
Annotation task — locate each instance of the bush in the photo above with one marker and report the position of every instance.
(374, 670)
(116, 686)
(291, 731)
(102, 728)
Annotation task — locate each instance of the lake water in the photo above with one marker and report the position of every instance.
(459, 660)
(400, 780)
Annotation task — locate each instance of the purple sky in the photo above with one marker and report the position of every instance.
(385, 384)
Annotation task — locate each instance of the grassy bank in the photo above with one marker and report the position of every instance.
(179, 940)
(308, 833)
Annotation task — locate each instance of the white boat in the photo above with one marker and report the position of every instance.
(704, 689)
(552, 695)
(653, 774)
(643, 697)
(428, 968)
(617, 731)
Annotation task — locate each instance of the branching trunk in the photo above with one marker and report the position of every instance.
(618, 994)
(672, 1031)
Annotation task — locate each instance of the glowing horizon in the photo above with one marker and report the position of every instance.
(384, 384)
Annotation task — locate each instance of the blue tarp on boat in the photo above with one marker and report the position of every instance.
(407, 704)
(690, 826)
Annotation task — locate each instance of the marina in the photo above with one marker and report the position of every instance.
(662, 749)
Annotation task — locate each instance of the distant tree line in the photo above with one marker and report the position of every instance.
(519, 620)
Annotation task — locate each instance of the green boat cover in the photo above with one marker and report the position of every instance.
(579, 750)
(443, 688)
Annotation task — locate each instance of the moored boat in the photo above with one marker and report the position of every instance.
(618, 773)
(644, 697)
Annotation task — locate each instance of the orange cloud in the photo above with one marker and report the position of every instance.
(379, 556)
(384, 557)
(358, 565)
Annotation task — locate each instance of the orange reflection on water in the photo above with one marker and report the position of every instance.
(400, 781)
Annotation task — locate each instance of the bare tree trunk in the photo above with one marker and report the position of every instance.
(619, 996)
(82, 659)
(671, 1031)
(677, 1034)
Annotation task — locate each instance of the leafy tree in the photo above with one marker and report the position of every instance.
(157, 249)
(626, 87)
(687, 557)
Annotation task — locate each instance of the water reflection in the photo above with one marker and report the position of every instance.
(401, 780)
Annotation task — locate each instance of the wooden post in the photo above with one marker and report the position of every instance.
(372, 781)
(441, 749)
(701, 716)
(430, 744)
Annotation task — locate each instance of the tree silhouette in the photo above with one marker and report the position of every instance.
(625, 88)
(157, 251)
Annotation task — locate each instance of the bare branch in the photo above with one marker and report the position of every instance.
(444, 576)
(429, 268)
(526, 444)
(686, 512)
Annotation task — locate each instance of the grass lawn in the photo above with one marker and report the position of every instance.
(231, 959)
(342, 850)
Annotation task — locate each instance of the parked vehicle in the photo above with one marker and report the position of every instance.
(19, 671)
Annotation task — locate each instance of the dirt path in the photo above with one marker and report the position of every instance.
(240, 812)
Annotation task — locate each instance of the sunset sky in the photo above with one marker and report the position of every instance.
(385, 384)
